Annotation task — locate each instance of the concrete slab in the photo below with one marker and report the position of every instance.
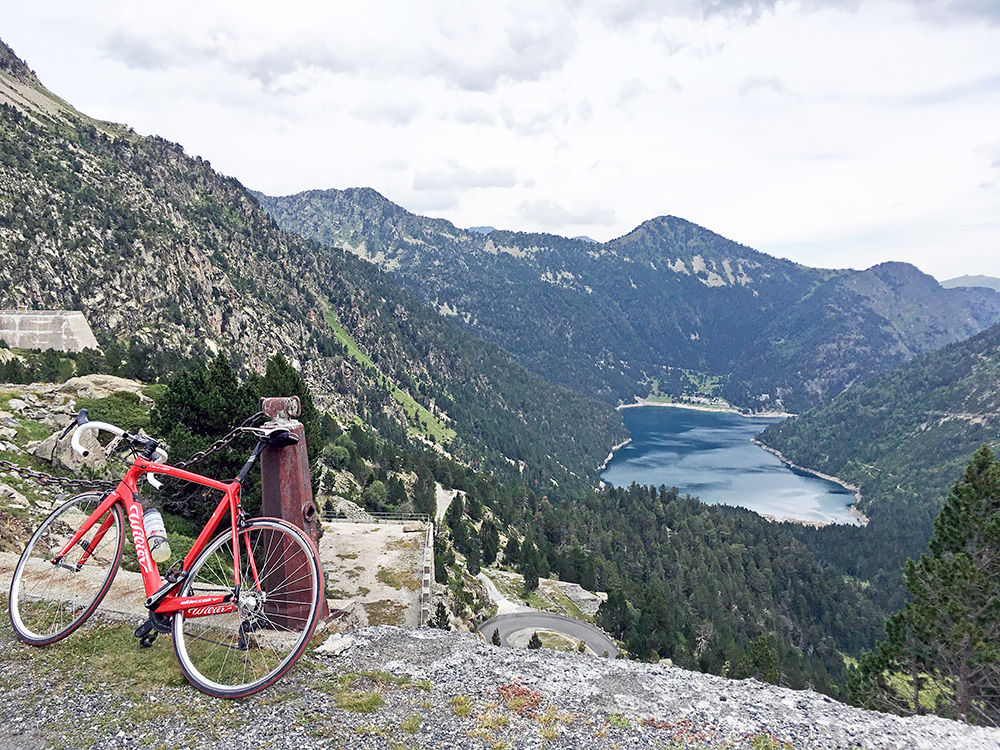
(379, 566)
(63, 330)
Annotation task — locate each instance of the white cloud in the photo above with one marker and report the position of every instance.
(545, 213)
(394, 112)
(454, 176)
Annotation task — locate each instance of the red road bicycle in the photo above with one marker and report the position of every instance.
(241, 607)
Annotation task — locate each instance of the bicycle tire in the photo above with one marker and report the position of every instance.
(48, 601)
(235, 654)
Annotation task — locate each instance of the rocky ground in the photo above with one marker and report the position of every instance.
(383, 687)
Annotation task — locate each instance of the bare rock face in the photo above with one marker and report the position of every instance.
(59, 452)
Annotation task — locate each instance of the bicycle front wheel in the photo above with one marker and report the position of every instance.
(50, 598)
(237, 653)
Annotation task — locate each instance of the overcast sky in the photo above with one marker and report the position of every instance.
(836, 134)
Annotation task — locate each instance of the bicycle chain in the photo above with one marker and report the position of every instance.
(102, 484)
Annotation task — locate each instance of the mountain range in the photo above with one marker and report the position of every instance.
(453, 339)
(989, 282)
(161, 252)
(670, 308)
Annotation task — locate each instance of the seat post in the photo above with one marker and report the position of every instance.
(286, 485)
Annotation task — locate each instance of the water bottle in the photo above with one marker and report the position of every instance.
(156, 535)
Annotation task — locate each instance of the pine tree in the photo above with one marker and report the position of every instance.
(512, 552)
(761, 662)
(495, 640)
(535, 642)
(440, 620)
(949, 635)
(489, 541)
(472, 560)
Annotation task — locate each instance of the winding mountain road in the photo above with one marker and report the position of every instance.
(508, 624)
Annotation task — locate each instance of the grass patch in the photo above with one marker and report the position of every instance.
(492, 720)
(422, 421)
(362, 703)
(558, 641)
(362, 692)
(619, 721)
(412, 542)
(100, 654)
(566, 604)
(769, 742)
(412, 724)
(29, 430)
(461, 705)
(398, 579)
(384, 612)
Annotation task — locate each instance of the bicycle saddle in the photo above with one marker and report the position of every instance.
(274, 437)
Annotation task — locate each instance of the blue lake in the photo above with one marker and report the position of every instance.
(708, 454)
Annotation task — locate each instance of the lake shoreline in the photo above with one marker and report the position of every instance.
(700, 407)
(611, 455)
(854, 510)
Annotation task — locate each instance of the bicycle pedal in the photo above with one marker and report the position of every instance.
(146, 634)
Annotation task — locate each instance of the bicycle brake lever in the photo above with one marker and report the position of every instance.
(81, 418)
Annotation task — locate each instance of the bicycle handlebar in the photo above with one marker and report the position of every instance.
(114, 430)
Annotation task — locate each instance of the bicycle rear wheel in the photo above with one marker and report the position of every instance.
(49, 599)
(238, 653)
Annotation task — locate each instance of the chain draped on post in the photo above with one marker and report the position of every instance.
(103, 484)
(221, 443)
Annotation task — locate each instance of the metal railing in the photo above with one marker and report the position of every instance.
(369, 517)
(427, 581)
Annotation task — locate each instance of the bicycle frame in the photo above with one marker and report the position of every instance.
(127, 493)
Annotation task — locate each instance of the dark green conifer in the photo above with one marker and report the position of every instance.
(948, 637)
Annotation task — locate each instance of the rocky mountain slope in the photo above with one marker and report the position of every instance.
(387, 688)
(665, 306)
(159, 250)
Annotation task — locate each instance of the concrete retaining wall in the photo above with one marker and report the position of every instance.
(63, 330)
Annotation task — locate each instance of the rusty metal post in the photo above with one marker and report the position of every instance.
(286, 487)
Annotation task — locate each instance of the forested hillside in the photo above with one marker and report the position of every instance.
(903, 438)
(169, 260)
(670, 307)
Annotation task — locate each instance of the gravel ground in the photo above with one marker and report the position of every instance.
(382, 687)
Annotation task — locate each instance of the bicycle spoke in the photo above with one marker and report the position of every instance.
(50, 600)
(239, 652)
